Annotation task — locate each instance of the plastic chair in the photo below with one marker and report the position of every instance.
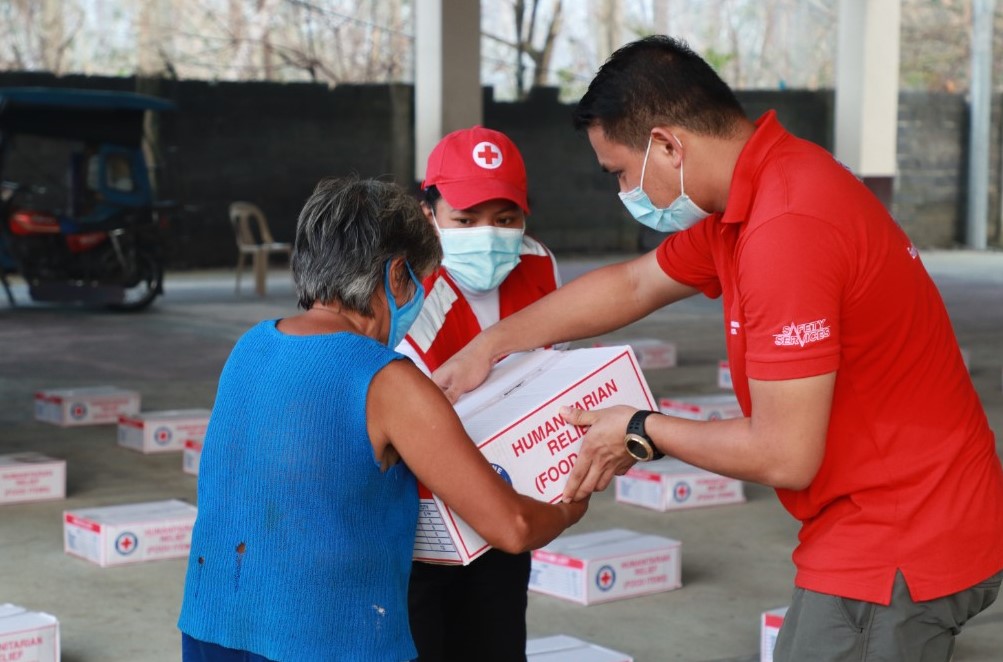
(250, 227)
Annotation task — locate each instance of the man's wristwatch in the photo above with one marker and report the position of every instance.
(638, 443)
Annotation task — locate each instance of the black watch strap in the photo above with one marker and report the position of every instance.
(636, 426)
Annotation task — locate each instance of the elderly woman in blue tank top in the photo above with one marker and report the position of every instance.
(307, 489)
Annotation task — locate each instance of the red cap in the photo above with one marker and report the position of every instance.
(471, 166)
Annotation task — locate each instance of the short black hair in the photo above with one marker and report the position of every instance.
(431, 195)
(656, 81)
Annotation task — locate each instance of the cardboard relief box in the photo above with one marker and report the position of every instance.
(670, 484)
(724, 376)
(769, 629)
(651, 353)
(28, 636)
(130, 533)
(90, 405)
(514, 420)
(702, 407)
(562, 648)
(191, 456)
(161, 431)
(31, 477)
(603, 566)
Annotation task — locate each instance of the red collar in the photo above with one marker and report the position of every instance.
(744, 179)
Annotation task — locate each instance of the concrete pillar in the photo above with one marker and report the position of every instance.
(867, 90)
(447, 72)
(980, 113)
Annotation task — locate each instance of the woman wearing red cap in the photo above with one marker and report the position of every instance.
(475, 197)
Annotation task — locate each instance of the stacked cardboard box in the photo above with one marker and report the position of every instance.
(161, 431)
(513, 418)
(602, 566)
(130, 533)
(701, 407)
(562, 648)
(670, 484)
(191, 457)
(28, 636)
(651, 353)
(769, 627)
(724, 376)
(91, 405)
(31, 477)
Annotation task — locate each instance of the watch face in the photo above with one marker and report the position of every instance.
(638, 447)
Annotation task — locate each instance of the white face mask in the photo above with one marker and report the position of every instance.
(480, 258)
(681, 214)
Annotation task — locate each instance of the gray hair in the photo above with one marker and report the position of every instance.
(348, 230)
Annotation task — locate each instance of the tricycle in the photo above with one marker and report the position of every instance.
(95, 234)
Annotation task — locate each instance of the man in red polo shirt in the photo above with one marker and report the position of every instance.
(858, 407)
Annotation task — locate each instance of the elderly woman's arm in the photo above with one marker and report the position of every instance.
(407, 414)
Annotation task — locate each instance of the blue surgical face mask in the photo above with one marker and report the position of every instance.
(681, 214)
(401, 319)
(480, 258)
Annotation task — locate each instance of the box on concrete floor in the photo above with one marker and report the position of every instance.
(651, 353)
(702, 407)
(161, 431)
(513, 418)
(90, 405)
(670, 484)
(31, 477)
(28, 636)
(724, 376)
(130, 533)
(191, 457)
(769, 627)
(602, 566)
(562, 648)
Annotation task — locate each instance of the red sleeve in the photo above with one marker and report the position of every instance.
(687, 257)
(792, 272)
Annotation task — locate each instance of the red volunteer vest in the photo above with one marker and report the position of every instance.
(447, 322)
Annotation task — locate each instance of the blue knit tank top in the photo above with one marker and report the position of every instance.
(302, 545)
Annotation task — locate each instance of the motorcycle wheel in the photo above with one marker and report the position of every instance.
(147, 285)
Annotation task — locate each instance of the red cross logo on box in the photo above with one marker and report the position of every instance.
(606, 578)
(682, 491)
(78, 410)
(162, 435)
(487, 155)
(126, 543)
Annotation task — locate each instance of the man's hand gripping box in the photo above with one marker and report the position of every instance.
(28, 636)
(162, 431)
(602, 566)
(513, 418)
(670, 484)
(130, 533)
(91, 405)
(31, 477)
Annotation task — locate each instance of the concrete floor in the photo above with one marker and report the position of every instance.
(736, 558)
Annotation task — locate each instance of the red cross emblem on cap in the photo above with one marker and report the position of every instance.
(487, 155)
